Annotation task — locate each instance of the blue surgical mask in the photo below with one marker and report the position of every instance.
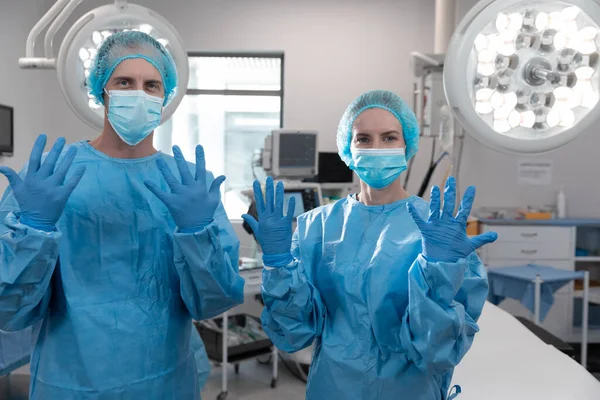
(378, 168)
(134, 114)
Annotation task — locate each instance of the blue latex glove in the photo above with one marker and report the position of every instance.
(273, 230)
(444, 236)
(191, 203)
(43, 193)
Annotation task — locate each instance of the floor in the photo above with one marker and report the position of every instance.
(254, 383)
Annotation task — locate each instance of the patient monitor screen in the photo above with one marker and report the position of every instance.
(297, 150)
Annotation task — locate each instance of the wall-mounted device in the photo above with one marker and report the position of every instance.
(6, 131)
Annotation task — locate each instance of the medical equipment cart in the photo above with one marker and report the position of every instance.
(253, 278)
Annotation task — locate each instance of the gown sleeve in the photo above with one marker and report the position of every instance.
(445, 301)
(207, 265)
(294, 312)
(28, 258)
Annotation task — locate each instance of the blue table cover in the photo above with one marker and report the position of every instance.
(519, 283)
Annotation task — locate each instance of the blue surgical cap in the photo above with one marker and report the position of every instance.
(378, 99)
(131, 44)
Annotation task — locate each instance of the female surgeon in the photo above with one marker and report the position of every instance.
(388, 285)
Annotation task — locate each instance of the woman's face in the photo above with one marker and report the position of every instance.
(377, 128)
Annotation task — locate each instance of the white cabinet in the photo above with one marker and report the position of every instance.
(543, 245)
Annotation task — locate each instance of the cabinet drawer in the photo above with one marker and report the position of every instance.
(531, 234)
(500, 263)
(529, 250)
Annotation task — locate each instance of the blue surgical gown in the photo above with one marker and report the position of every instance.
(387, 324)
(115, 286)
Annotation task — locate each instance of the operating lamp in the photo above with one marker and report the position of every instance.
(80, 45)
(523, 76)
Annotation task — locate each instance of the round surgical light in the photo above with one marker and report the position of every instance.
(81, 44)
(523, 76)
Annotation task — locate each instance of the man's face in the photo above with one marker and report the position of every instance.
(135, 74)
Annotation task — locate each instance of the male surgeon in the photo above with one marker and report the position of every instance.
(113, 247)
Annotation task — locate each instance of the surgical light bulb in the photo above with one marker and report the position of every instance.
(483, 107)
(482, 101)
(587, 40)
(566, 97)
(584, 74)
(515, 21)
(83, 54)
(146, 28)
(588, 33)
(97, 38)
(570, 14)
(542, 20)
(567, 118)
(527, 119)
(588, 96)
(497, 100)
(502, 22)
(555, 20)
(502, 113)
(510, 99)
(501, 125)
(486, 68)
(560, 40)
(553, 118)
(514, 119)
(486, 56)
(481, 42)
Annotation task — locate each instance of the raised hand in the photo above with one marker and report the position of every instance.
(42, 195)
(444, 236)
(191, 203)
(273, 230)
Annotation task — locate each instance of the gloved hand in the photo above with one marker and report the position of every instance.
(42, 194)
(444, 237)
(191, 204)
(273, 230)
